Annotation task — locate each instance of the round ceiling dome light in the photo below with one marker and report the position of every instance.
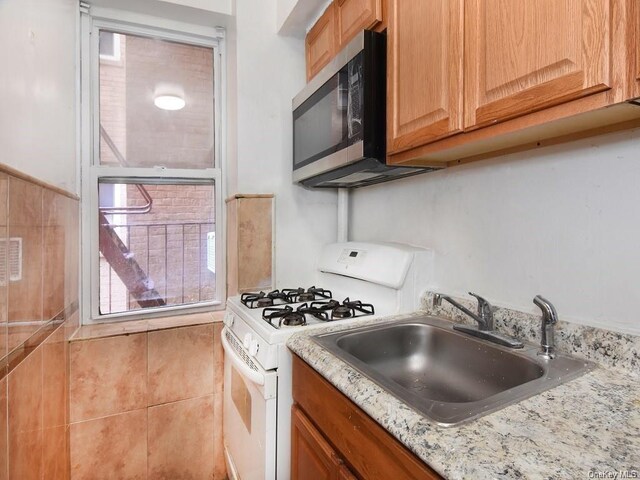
(169, 102)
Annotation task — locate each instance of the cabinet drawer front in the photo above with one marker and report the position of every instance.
(369, 450)
(355, 15)
(311, 455)
(523, 56)
(424, 72)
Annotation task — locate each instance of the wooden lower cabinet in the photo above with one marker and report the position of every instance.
(311, 454)
(332, 438)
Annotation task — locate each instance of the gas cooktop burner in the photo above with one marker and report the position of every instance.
(285, 315)
(353, 308)
(261, 299)
(264, 302)
(293, 319)
(319, 309)
(309, 295)
(325, 311)
(341, 311)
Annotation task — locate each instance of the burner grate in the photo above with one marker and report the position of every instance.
(308, 295)
(285, 315)
(262, 299)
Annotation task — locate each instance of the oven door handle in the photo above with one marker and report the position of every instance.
(245, 370)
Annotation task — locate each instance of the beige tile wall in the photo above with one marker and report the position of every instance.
(147, 405)
(140, 407)
(33, 347)
(249, 243)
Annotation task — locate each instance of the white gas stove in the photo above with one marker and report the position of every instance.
(355, 281)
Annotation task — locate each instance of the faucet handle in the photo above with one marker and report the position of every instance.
(483, 304)
(485, 310)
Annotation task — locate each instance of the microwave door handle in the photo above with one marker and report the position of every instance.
(243, 368)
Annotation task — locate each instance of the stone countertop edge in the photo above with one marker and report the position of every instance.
(584, 427)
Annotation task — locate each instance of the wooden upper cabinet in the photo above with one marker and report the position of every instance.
(355, 15)
(424, 71)
(523, 56)
(321, 44)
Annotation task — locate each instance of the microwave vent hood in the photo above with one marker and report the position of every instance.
(339, 121)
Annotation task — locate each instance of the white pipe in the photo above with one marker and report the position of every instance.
(343, 215)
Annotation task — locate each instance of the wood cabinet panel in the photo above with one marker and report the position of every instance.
(367, 448)
(355, 15)
(527, 56)
(634, 11)
(345, 474)
(424, 71)
(321, 44)
(311, 454)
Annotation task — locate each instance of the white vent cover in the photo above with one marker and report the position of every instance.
(10, 263)
(211, 252)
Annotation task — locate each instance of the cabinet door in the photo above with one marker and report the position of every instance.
(522, 56)
(424, 72)
(345, 474)
(320, 44)
(355, 15)
(311, 455)
(635, 15)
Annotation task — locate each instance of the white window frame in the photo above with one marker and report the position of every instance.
(115, 58)
(91, 170)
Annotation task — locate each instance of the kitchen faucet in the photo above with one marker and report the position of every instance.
(485, 310)
(484, 318)
(549, 320)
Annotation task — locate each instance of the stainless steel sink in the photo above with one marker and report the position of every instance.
(448, 376)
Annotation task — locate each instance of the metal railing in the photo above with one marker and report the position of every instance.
(172, 255)
(146, 208)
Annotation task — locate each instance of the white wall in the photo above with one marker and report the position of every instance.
(219, 6)
(295, 17)
(206, 13)
(38, 89)
(270, 71)
(562, 221)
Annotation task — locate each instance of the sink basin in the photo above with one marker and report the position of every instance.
(448, 376)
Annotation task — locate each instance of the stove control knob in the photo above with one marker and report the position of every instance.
(246, 342)
(228, 319)
(253, 348)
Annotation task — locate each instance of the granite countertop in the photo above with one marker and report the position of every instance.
(586, 427)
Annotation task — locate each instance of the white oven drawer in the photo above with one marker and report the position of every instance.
(249, 413)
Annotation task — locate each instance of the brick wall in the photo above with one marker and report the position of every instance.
(113, 100)
(181, 138)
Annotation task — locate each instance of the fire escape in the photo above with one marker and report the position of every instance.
(116, 252)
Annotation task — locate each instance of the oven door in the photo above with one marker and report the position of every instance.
(249, 414)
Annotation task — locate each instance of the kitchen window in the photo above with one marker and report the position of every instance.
(152, 225)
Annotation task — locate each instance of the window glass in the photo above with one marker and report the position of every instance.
(155, 244)
(156, 103)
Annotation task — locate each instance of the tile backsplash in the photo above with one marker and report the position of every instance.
(39, 262)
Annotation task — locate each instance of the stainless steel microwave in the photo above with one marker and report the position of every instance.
(339, 120)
